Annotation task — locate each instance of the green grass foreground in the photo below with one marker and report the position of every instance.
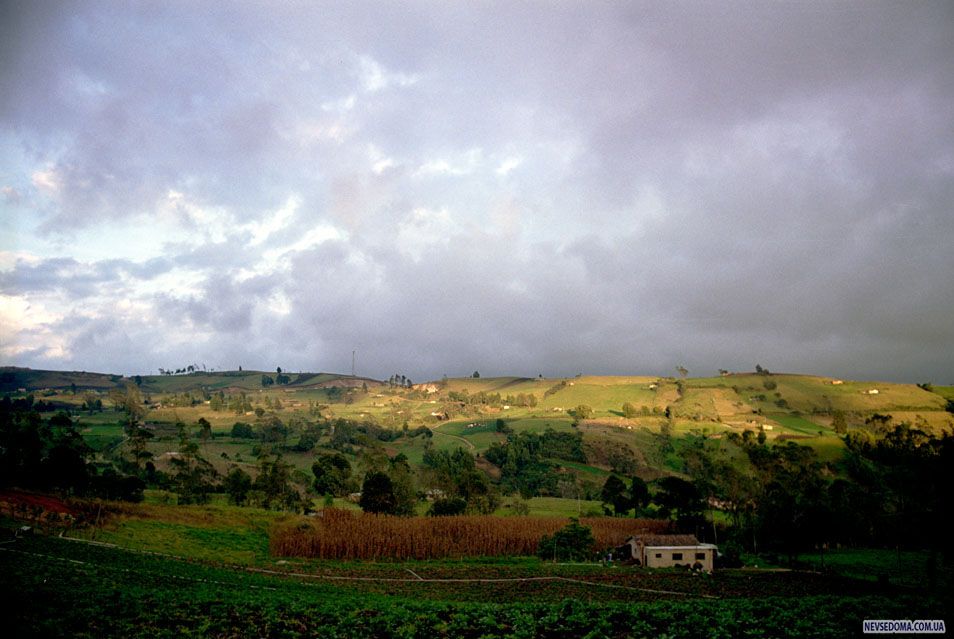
(61, 588)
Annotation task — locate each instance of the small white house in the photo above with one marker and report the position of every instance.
(872, 391)
(668, 551)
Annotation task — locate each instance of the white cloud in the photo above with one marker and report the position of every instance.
(311, 131)
(263, 229)
(9, 258)
(465, 164)
(26, 325)
(374, 77)
(212, 222)
(279, 304)
(340, 106)
(508, 165)
(177, 282)
(379, 161)
(274, 259)
(47, 180)
(423, 228)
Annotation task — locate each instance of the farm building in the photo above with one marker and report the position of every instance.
(667, 551)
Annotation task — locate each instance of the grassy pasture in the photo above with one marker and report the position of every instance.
(947, 392)
(99, 436)
(605, 399)
(930, 421)
(798, 425)
(213, 532)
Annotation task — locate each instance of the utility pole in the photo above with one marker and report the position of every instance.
(352, 363)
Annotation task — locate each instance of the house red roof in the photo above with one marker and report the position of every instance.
(665, 540)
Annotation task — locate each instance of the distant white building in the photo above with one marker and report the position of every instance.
(668, 551)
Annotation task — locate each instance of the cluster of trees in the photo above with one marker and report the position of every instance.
(389, 489)
(30, 403)
(526, 460)
(182, 400)
(528, 400)
(50, 454)
(91, 403)
(280, 378)
(890, 488)
(185, 370)
(398, 381)
(671, 497)
(194, 479)
(464, 488)
(347, 434)
(483, 398)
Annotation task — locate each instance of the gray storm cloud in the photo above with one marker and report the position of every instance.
(513, 188)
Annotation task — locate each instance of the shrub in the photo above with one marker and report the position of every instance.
(448, 506)
(573, 543)
(241, 430)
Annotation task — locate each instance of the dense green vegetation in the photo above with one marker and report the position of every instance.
(105, 592)
(777, 469)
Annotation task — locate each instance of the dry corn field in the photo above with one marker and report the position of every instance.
(338, 534)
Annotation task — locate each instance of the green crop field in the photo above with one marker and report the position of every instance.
(103, 591)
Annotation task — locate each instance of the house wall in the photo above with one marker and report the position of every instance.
(669, 556)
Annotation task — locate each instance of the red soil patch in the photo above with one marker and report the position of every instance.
(45, 502)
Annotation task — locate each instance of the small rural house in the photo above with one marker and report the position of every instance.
(667, 551)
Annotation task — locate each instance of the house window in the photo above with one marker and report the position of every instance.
(677, 556)
(700, 555)
(658, 555)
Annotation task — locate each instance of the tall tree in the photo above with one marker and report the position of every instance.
(638, 495)
(238, 483)
(614, 495)
(402, 481)
(332, 473)
(377, 494)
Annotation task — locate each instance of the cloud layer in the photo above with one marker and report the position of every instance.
(513, 188)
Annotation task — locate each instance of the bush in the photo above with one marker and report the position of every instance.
(241, 430)
(583, 411)
(448, 506)
(572, 543)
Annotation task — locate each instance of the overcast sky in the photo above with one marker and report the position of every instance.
(514, 188)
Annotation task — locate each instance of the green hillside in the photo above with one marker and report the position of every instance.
(466, 413)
